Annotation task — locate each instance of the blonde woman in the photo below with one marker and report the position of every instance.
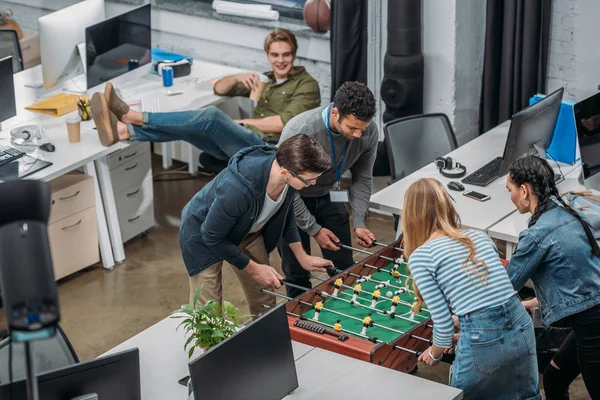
(458, 272)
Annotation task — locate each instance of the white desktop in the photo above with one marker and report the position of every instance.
(61, 34)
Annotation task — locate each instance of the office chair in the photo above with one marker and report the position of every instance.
(48, 354)
(415, 141)
(10, 46)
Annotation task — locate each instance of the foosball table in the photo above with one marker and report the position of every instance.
(368, 312)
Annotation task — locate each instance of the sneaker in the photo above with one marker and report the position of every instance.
(115, 103)
(105, 120)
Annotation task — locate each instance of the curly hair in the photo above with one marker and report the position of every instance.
(355, 98)
(539, 174)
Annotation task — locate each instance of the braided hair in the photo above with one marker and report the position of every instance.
(538, 173)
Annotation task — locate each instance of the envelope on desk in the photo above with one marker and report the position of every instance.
(56, 106)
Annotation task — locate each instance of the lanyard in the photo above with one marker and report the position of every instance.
(339, 169)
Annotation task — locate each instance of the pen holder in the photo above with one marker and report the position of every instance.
(83, 108)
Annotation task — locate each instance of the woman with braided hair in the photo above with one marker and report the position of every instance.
(559, 254)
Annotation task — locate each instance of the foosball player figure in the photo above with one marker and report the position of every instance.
(415, 308)
(395, 274)
(367, 323)
(397, 262)
(357, 289)
(337, 326)
(376, 294)
(395, 301)
(318, 307)
(338, 285)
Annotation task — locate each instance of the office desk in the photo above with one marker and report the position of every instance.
(321, 374)
(473, 155)
(197, 93)
(510, 227)
(68, 156)
(91, 154)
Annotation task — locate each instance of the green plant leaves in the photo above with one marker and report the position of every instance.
(207, 324)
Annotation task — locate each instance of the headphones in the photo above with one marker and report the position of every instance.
(449, 164)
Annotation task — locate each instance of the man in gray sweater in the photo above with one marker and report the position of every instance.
(320, 208)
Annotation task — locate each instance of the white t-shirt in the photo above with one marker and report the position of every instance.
(269, 209)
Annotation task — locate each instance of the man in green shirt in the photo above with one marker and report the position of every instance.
(290, 90)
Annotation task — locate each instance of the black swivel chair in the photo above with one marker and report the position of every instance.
(415, 141)
(10, 46)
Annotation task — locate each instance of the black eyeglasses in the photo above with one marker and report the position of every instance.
(307, 183)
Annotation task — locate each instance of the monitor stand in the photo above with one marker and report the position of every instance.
(541, 152)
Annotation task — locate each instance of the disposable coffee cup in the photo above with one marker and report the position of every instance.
(256, 94)
(74, 128)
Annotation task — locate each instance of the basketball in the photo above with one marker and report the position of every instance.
(316, 14)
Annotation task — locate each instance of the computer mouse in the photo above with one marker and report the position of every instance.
(49, 147)
(453, 185)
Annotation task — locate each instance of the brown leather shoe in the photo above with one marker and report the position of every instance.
(105, 120)
(115, 103)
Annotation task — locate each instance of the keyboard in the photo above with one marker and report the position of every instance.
(9, 154)
(150, 104)
(484, 175)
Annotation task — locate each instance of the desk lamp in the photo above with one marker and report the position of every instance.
(26, 271)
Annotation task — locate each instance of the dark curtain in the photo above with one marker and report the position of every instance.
(515, 59)
(348, 42)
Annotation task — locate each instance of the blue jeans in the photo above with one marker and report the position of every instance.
(496, 354)
(209, 129)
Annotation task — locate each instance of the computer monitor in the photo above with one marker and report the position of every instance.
(114, 377)
(62, 35)
(256, 363)
(118, 45)
(8, 107)
(587, 121)
(531, 130)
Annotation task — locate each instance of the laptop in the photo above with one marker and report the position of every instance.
(587, 123)
(257, 363)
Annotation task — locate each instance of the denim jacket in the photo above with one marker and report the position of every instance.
(556, 255)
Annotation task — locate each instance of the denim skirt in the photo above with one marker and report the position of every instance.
(496, 354)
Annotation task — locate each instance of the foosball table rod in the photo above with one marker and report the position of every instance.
(376, 243)
(326, 295)
(344, 246)
(367, 278)
(371, 339)
(383, 297)
(334, 312)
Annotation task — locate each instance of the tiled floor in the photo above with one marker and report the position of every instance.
(101, 309)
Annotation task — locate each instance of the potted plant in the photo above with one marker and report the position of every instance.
(207, 324)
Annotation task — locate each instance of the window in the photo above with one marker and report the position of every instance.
(286, 8)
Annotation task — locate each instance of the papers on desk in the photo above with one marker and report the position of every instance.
(61, 104)
(260, 11)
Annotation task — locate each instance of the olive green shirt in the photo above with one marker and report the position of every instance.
(299, 93)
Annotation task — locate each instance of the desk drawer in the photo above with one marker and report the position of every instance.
(135, 223)
(74, 242)
(135, 200)
(121, 157)
(71, 194)
(131, 172)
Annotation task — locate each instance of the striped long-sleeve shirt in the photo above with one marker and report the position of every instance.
(437, 268)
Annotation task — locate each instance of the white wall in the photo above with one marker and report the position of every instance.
(206, 39)
(453, 41)
(574, 59)
(587, 49)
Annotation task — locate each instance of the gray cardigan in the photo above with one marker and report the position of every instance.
(360, 160)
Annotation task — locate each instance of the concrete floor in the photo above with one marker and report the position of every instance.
(101, 308)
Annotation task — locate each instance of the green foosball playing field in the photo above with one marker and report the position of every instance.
(351, 316)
